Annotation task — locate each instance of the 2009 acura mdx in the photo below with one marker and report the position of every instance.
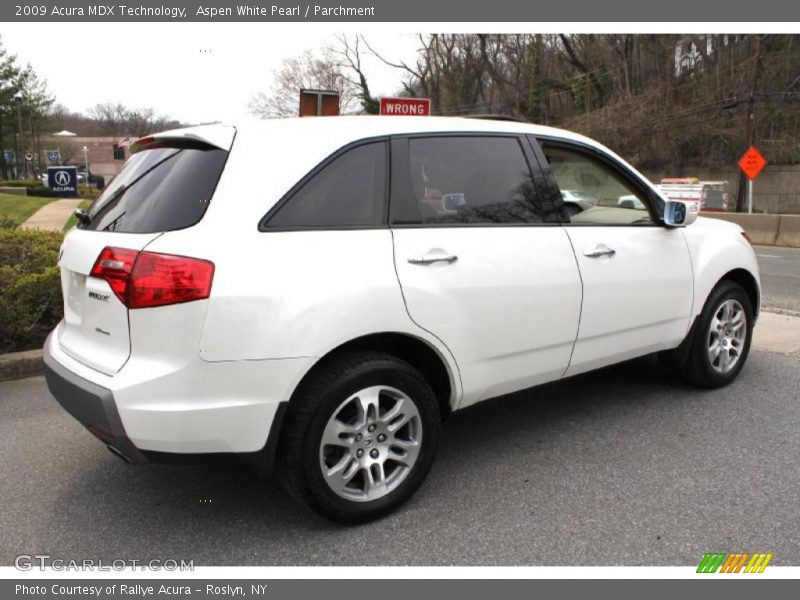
(379, 273)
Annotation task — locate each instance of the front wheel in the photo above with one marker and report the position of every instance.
(722, 337)
(361, 436)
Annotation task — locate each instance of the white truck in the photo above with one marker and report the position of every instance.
(710, 196)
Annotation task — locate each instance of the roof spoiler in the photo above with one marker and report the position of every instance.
(217, 136)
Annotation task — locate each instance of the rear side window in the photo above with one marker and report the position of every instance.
(461, 180)
(349, 191)
(162, 189)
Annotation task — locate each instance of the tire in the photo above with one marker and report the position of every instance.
(701, 367)
(373, 407)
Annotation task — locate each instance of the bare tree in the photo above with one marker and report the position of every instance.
(350, 54)
(142, 121)
(112, 117)
(310, 70)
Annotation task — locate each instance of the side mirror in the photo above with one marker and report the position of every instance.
(680, 214)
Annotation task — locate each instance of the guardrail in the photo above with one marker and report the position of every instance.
(765, 230)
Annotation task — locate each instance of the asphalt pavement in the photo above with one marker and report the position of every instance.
(625, 466)
(780, 278)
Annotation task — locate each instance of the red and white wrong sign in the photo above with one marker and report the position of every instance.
(417, 107)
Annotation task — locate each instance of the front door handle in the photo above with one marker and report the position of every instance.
(434, 257)
(600, 250)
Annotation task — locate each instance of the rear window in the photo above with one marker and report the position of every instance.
(162, 189)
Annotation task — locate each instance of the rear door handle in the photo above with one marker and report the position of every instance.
(600, 250)
(434, 257)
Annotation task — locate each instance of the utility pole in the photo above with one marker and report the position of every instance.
(741, 188)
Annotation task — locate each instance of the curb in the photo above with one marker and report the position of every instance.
(16, 365)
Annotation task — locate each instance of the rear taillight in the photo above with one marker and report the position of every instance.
(115, 265)
(148, 279)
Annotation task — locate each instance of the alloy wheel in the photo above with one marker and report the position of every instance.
(727, 334)
(370, 443)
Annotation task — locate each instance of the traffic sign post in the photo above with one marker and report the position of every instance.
(751, 163)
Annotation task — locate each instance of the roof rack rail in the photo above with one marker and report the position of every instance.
(494, 117)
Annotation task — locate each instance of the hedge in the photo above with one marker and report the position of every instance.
(28, 183)
(30, 287)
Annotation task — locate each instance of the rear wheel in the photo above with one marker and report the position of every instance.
(722, 337)
(360, 437)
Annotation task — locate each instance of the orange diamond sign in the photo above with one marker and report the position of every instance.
(752, 162)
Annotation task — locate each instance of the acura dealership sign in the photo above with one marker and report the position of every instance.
(63, 180)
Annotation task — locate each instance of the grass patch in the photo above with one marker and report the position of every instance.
(73, 219)
(16, 209)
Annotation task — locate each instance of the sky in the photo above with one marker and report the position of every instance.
(192, 72)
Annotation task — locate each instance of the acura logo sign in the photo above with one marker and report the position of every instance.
(62, 178)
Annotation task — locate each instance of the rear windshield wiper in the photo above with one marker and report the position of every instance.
(84, 218)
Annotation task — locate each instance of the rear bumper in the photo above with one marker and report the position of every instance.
(154, 419)
(92, 405)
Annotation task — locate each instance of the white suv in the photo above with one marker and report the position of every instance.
(380, 273)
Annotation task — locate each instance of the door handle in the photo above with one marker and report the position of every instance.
(431, 258)
(600, 250)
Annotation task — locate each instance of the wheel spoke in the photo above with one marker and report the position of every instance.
(409, 450)
(339, 434)
(725, 358)
(368, 404)
(340, 474)
(376, 478)
(725, 312)
(396, 409)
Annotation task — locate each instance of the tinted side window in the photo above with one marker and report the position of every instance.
(593, 192)
(477, 179)
(158, 190)
(349, 191)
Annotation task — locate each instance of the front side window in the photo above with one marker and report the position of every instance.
(594, 193)
(465, 180)
(349, 191)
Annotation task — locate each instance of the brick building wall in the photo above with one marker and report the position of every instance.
(100, 151)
